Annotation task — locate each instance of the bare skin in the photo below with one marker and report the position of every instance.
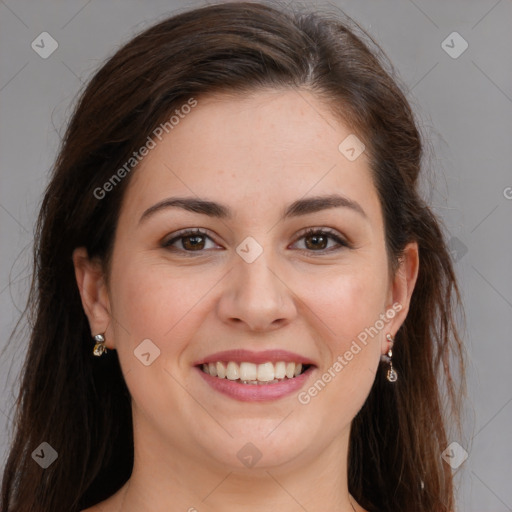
(256, 155)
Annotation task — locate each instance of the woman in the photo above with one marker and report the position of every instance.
(241, 301)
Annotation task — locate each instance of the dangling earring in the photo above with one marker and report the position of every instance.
(100, 347)
(392, 376)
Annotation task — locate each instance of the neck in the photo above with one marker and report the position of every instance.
(167, 478)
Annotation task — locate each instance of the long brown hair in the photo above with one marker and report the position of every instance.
(80, 404)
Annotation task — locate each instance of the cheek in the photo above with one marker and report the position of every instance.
(153, 302)
(349, 307)
(347, 302)
(158, 302)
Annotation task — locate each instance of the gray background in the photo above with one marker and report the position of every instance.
(465, 110)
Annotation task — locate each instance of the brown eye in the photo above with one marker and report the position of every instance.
(321, 241)
(194, 242)
(316, 241)
(189, 241)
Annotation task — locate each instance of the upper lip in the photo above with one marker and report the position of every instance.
(265, 356)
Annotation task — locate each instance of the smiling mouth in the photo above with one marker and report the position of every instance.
(254, 374)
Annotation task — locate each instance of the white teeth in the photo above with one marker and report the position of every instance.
(290, 370)
(265, 372)
(221, 370)
(232, 372)
(213, 369)
(250, 373)
(280, 370)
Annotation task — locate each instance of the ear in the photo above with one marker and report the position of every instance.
(401, 290)
(93, 292)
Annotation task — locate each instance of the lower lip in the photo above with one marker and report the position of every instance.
(256, 392)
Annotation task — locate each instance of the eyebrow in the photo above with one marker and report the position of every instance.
(213, 209)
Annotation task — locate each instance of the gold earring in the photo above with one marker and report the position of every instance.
(100, 347)
(392, 376)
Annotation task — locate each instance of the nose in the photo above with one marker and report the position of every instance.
(256, 297)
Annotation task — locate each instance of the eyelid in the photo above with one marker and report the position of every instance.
(331, 233)
(183, 233)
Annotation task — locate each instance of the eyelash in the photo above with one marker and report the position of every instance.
(309, 232)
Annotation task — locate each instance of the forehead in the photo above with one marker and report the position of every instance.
(265, 148)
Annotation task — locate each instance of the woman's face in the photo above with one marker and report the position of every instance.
(253, 287)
